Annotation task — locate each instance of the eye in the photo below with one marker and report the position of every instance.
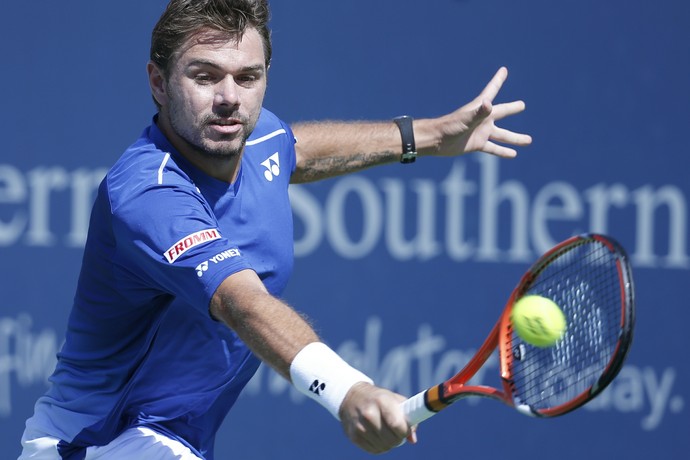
(203, 78)
(248, 79)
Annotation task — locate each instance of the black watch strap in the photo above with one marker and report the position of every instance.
(409, 151)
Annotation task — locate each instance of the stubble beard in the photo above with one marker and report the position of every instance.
(192, 134)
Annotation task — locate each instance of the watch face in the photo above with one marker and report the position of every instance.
(408, 157)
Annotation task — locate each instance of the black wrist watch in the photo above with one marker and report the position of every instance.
(409, 151)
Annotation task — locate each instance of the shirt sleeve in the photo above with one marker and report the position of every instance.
(168, 240)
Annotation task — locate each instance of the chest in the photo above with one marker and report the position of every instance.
(255, 214)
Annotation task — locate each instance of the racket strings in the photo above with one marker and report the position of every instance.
(584, 281)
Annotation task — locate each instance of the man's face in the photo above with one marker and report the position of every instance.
(214, 92)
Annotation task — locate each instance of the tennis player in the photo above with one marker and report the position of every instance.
(190, 242)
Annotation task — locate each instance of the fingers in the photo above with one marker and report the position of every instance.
(373, 419)
(412, 437)
(378, 431)
(499, 150)
(494, 86)
(506, 137)
(510, 137)
(507, 109)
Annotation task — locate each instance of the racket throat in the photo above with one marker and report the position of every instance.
(441, 396)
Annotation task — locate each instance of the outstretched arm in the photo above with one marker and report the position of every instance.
(327, 149)
(371, 416)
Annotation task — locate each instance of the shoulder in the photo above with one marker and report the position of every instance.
(271, 141)
(270, 126)
(145, 165)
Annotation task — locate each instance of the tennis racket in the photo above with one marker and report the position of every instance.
(590, 278)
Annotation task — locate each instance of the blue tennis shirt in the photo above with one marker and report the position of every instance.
(141, 348)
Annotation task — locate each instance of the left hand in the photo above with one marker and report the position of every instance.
(472, 127)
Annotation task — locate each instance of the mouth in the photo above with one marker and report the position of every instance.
(226, 125)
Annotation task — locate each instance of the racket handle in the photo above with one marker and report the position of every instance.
(415, 409)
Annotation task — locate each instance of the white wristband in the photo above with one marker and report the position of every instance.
(318, 372)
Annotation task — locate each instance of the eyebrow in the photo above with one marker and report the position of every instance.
(203, 63)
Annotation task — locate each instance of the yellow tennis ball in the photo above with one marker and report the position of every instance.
(538, 320)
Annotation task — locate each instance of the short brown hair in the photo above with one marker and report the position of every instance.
(183, 18)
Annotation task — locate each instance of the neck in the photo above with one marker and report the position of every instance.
(222, 168)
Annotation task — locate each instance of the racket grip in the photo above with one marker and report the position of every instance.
(415, 409)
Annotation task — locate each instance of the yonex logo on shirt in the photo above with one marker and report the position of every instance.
(201, 268)
(190, 241)
(272, 166)
(225, 255)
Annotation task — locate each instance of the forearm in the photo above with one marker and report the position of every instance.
(327, 149)
(284, 340)
(332, 148)
(269, 327)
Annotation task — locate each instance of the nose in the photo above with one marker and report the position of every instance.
(226, 93)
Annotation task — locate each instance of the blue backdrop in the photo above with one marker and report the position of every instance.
(403, 268)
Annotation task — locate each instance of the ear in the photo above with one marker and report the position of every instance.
(157, 83)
